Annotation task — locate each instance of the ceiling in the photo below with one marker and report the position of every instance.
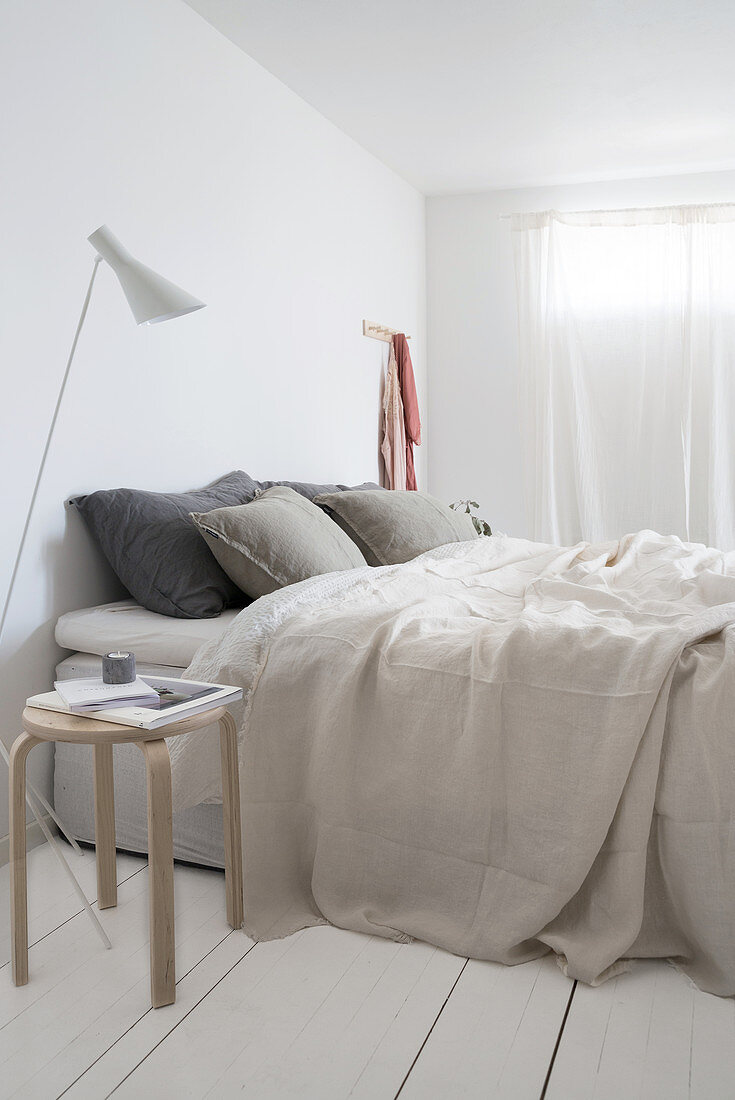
(467, 95)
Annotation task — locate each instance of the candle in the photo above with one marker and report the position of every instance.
(118, 667)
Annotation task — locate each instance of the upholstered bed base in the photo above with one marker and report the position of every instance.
(197, 831)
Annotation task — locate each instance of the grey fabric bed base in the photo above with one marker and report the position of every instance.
(197, 831)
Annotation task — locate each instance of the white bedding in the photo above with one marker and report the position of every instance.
(155, 639)
(502, 748)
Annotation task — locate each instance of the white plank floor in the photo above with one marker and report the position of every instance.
(328, 1014)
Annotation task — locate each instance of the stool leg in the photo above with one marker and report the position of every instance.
(18, 875)
(160, 872)
(104, 826)
(231, 820)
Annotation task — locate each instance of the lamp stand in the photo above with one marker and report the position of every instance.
(33, 797)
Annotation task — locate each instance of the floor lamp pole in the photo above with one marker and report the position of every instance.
(33, 796)
(46, 449)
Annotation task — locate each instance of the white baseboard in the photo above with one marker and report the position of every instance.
(34, 837)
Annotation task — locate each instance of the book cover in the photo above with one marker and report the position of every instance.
(92, 692)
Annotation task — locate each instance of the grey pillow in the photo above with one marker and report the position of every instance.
(279, 538)
(310, 490)
(396, 526)
(155, 549)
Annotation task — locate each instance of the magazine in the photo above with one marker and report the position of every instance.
(176, 699)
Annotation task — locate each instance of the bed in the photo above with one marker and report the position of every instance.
(500, 747)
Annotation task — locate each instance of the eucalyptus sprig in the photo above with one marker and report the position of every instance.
(469, 506)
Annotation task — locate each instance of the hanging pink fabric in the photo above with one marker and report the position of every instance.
(411, 417)
(393, 443)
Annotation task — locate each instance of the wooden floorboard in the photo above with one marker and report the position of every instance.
(70, 959)
(48, 1045)
(51, 897)
(496, 1034)
(648, 1034)
(132, 1045)
(329, 1014)
(326, 1014)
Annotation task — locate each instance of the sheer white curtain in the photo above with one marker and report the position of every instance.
(627, 340)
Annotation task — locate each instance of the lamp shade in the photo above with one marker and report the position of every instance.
(150, 297)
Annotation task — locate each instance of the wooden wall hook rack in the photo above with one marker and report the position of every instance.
(379, 332)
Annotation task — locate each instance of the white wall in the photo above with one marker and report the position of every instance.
(139, 114)
(473, 336)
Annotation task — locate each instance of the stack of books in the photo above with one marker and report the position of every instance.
(148, 702)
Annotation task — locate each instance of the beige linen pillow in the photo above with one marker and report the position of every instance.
(396, 526)
(277, 539)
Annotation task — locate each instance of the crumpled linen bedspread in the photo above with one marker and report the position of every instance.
(502, 748)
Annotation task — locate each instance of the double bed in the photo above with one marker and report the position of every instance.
(501, 747)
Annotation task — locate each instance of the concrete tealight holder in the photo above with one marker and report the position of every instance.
(118, 668)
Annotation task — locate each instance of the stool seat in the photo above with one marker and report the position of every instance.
(53, 725)
(48, 725)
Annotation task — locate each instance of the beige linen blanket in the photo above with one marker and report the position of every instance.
(502, 748)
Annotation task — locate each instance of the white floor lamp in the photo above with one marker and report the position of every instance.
(151, 299)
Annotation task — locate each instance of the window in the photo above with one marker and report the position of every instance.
(627, 339)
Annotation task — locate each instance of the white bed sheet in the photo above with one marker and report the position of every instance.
(154, 639)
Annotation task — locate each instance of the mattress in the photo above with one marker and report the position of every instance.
(154, 639)
(162, 645)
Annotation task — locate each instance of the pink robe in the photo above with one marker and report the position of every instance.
(393, 444)
(412, 420)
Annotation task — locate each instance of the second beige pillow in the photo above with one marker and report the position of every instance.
(397, 526)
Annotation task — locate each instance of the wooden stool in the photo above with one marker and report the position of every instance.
(47, 725)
